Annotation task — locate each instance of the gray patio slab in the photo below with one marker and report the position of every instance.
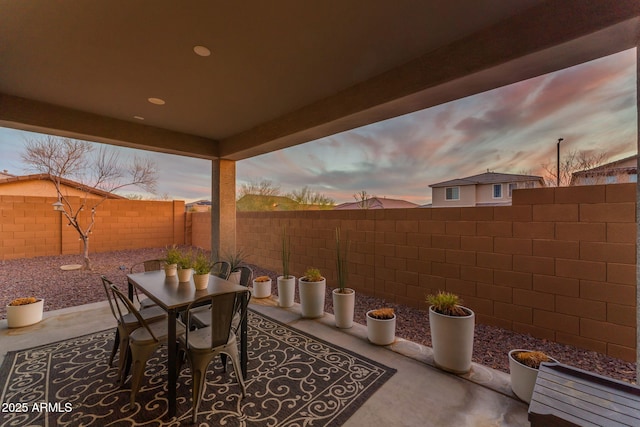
(417, 395)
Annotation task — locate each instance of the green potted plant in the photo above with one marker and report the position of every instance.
(286, 282)
(201, 268)
(452, 327)
(343, 298)
(312, 287)
(24, 311)
(523, 367)
(235, 259)
(171, 258)
(381, 326)
(185, 266)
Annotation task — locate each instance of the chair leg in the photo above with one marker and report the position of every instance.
(199, 364)
(116, 342)
(140, 354)
(122, 358)
(235, 361)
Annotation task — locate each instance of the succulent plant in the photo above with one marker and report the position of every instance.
(382, 313)
(446, 303)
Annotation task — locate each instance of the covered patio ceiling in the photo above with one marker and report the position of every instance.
(280, 73)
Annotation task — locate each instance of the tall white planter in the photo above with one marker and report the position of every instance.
(312, 298)
(286, 291)
(523, 377)
(261, 289)
(381, 331)
(343, 307)
(452, 340)
(24, 315)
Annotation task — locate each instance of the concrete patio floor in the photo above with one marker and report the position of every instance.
(417, 395)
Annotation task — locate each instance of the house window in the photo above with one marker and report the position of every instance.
(612, 179)
(452, 193)
(633, 178)
(497, 191)
(512, 187)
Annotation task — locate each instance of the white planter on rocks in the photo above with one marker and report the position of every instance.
(523, 377)
(261, 288)
(286, 291)
(381, 331)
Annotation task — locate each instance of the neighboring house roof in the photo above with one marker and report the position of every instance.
(488, 178)
(199, 203)
(65, 182)
(627, 166)
(377, 203)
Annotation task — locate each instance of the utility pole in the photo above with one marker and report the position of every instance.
(558, 162)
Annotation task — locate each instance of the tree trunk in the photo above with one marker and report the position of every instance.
(86, 263)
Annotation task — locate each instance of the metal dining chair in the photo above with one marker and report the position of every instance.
(221, 269)
(143, 341)
(147, 265)
(126, 323)
(202, 345)
(200, 315)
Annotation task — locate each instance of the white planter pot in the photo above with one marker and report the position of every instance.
(523, 378)
(286, 291)
(184, 274)
(170, 270)
(24, 315)
(381, 331)
(234, 277)
(312, 298)
(261, 289)
(201, 281)
(452, 340)
(343, 307)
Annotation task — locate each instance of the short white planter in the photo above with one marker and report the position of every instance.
(201, 281)
(184, 274)
(24, 315)
(261, 289)
(286, 291)
(452, 340)
(381, 331)
(312, 298)
(170, 270)
(343, 307)
(523, 377)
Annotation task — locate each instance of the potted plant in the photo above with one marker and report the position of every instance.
(286, 282)
(235, 259)
(24, 312)
(185, 266)
(452, 327)
(312, 287)
(381, 326)
(201, 269)
(261, 287)
(523, 367)
(171, 258)
(344, 298)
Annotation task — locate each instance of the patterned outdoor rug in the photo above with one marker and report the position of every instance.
(293, 379)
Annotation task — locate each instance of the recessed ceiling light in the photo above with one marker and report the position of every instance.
(138, 117)
(201, 50)
(156, 101)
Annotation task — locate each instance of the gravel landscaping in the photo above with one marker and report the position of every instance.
(43, 277)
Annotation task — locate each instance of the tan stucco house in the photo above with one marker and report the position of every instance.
(618, 172)
(41, 185)
(485, 189)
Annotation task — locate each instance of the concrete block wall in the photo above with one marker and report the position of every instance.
(560, 263)
(30, 227)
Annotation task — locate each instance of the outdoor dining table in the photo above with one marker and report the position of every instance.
(174, 297)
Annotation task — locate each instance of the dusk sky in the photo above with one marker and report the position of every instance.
(513, 129)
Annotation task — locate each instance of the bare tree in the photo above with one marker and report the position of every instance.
(364, 199)
(262, 188)
(67, 159)
(307, 196)
(571, 162)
